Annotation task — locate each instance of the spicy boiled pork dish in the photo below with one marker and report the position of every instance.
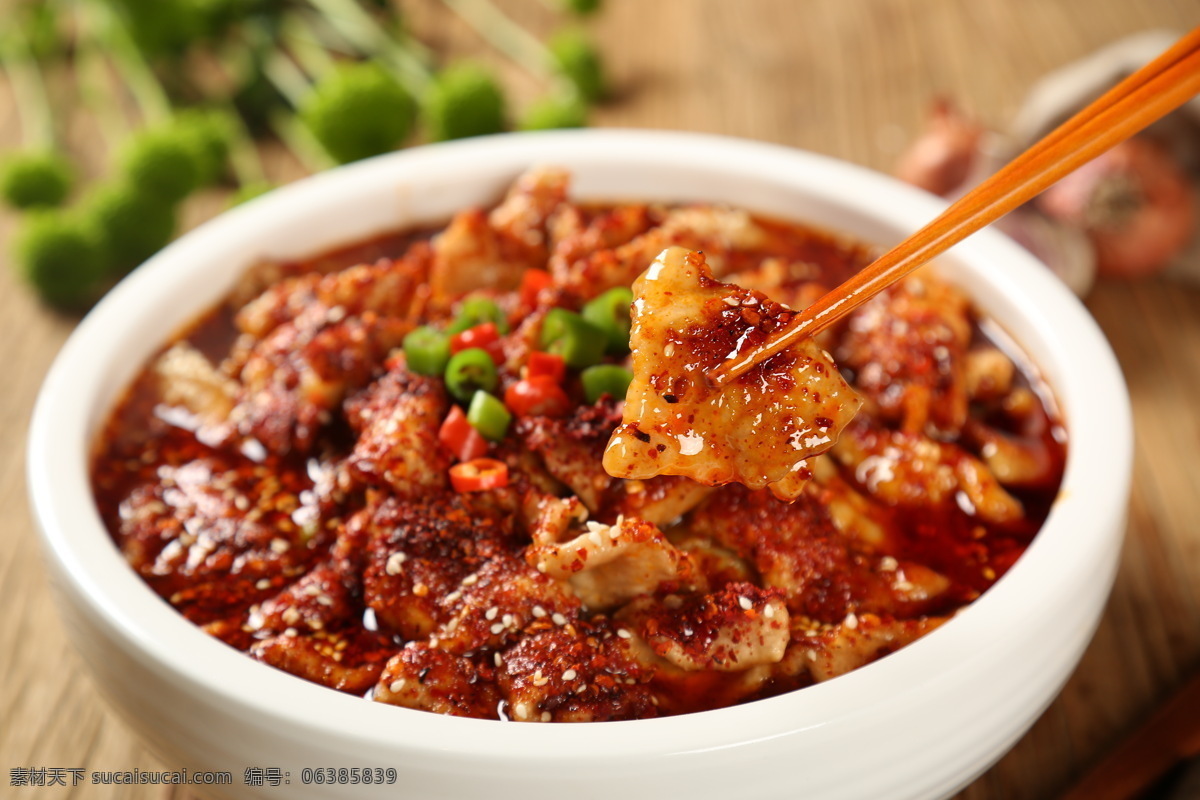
(382, 469)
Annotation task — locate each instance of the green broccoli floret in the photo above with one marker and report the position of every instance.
(358, 111)
(130, 226)
(207, 133)
(464, 100)
(579, 61)
(58, 255)
(556, 111)
(161, 164)
(35, 179)
(581, 7)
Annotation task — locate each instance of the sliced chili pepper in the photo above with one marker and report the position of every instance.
(532, 283)
(605, 379)
(426, 351)
(579, 342)
(469, 371)
(539, 395)
(460, 438)
(610, 312)
(479, 475)
(488, 416)
(546, 364)
(476, 310)
(485, 337)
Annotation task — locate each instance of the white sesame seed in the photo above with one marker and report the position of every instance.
(496, 628)
(851, 621)
(497, 659)
(596, 538)
(545, 716)
(812, 654)
(521, 711)
(279, 546)
(394, 562)
(539, 612)
(325, 600)
(541, 566)
(569, 675)
(291, 616)
(454, 596)
(888, 564)
(624, 634)
(491, 613)
(669, 349)
(558, 619)
(507, 619)
(594, 527)
(263, 583)
(470, 580)
(732, 301)
(745, 603)
(769, 611)
(290, 632)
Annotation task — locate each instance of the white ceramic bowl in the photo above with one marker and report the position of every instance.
(920, 723)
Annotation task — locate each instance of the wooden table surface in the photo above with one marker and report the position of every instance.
(850, 79)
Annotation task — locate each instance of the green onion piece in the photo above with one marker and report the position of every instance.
(610, 311)
(476, 310)
(579, 342)
(488, 415)
(427, 351)
(605, 379)
(469, 371)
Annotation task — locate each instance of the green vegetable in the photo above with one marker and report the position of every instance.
(579, 342)
(58, 255)
(469, 371)
(610, 311)
(160, 164)
(427, 351)
(476, 310)
(207, 134)
(557, 111)
(131, 226)
(578, 60)
(488, 415)
(464, 100)
(358, 111)
(605, 379)
(35, 179)
(581, 7)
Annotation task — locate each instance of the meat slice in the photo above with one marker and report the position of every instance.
(738, 627)
(214, 532)
(759, 429)
(575, 672)
(420, 551)
(295, 378)
(349, 661)
(397, 420)
(907, 347)
(426, 678)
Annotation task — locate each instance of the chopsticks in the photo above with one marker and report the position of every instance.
(1141, 99)
(1171, 734)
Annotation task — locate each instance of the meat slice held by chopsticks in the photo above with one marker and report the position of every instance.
(757, 430)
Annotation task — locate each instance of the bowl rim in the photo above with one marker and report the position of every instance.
(1090, 390)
